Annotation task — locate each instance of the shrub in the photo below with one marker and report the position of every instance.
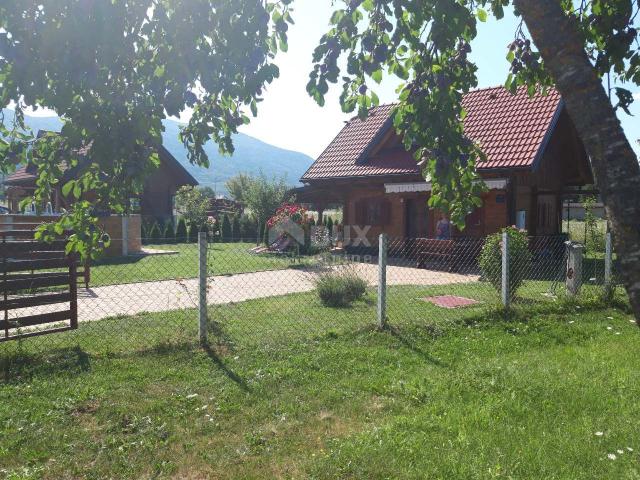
(193, 233)
(181, 231)
(225, 229)
(235, 228)
(169, 233)
(155, 234)
(519, 259)
(248, 228)
(144, 232)
(340, 289)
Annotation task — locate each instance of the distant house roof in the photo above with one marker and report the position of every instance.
(512, 131)
(26, 175)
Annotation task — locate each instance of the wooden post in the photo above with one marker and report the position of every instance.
(202, 287)
(505, 270)
(608, 265)
(574, 269)
(382, 281)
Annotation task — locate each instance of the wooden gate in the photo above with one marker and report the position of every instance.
(39, 286)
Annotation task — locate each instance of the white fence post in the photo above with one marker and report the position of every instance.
(382, 281)
(202, 287)
(574, 269)
(505, 270)
(608, 265)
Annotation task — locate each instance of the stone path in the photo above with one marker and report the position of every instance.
(129, 299)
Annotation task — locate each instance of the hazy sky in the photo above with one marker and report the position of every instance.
(289, 118)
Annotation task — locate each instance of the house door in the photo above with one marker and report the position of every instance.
(411, 220)
(547, 215)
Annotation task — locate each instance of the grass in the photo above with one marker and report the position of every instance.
(223, 259)
(442, 394)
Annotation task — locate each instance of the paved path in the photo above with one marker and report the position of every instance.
(129, 299)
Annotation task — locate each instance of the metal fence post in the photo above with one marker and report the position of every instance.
(382, 280)
(505, 270)
(608, 265)
(574, 269)
(202, 287)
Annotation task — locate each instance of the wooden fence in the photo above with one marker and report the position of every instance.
(36, 277)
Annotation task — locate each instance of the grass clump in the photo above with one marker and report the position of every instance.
(340, 289)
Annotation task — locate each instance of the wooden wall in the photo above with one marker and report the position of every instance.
(489, 218)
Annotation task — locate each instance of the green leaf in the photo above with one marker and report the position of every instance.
(67, 187)
(482, 15)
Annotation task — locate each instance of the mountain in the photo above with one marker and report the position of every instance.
(251, 155)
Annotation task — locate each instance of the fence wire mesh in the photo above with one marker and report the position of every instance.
(260, 297)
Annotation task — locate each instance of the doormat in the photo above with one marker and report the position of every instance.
(450, 301)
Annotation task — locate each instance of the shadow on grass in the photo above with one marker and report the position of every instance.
(217, 361)
(21, 366)
(411, 345)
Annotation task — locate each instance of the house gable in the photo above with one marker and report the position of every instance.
(512, 131)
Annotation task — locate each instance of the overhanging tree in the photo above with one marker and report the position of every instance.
(113, 70)
(573, 45)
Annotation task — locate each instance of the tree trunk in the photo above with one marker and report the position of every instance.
(615, 165)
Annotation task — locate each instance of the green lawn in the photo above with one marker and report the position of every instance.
(223, 259)
(439, 395)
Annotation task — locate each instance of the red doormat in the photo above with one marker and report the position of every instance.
(449, 301)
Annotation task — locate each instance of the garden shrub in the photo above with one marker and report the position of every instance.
(329, 225)
(181, 231)
(225, 229)
(169, 233)
(144, 232)
(340, 289)
(519, 259)
(248, 228)
(155, 234)
(193, 233)
(235, 229)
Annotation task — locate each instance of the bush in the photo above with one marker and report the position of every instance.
(248, 228)
(193, 233)
(169, 233)
(155, 234)
(519, 259)
(235, 228)
(144, 232)
(329, 225)
(181, 231)
(225, 229)
(340, 289)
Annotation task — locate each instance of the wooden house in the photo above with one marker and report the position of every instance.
(156, 200)
(534, 157)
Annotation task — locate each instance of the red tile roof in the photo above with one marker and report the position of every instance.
(510, 129)
(24, 175)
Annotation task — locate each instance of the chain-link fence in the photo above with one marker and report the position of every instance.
(257, 296)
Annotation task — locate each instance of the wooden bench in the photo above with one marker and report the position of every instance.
(432, 248)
